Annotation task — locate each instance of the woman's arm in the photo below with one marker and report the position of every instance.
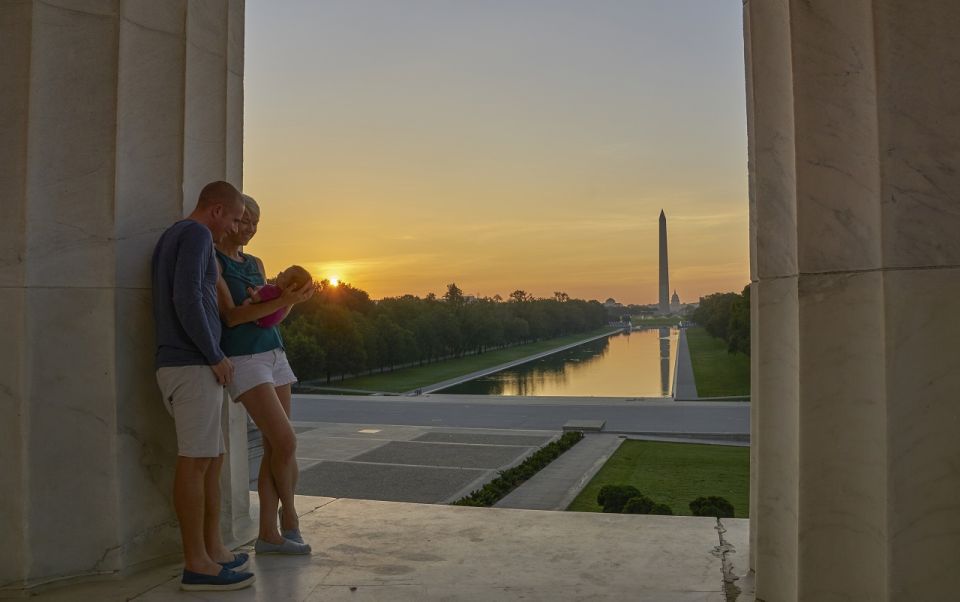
(286, 310)
(233, 315)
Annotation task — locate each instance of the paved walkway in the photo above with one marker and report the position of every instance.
(404, 463)
(465, 377)
(684, 385)
(555, 487)
(662, 417)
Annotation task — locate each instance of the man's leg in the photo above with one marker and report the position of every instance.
(212, 538)
(193, 396)
(188, 501)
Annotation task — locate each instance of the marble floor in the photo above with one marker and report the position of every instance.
(368, 550)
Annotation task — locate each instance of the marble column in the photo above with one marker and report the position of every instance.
(775, 319)
(113, 115)
(855, 176)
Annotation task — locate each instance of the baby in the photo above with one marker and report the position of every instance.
(292, 277)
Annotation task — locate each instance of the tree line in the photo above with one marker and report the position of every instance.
(727, 316)
(341, 332)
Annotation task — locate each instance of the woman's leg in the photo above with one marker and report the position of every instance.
(279, 462)
(289, 519)
(269, 500)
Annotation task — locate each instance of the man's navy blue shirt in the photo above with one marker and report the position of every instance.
(185, 297)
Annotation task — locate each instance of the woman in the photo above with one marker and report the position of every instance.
(261, 381)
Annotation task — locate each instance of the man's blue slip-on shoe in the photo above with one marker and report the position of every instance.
(239, 562)
(290, 548)
(227, 580)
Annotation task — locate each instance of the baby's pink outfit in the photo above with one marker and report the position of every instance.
(268, 292)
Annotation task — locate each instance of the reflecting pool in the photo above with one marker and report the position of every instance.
(636, 364)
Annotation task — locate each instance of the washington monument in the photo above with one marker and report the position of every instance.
(664, 270)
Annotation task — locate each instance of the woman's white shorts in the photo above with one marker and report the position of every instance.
(252, 370)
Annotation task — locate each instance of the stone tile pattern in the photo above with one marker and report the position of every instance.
(443, 454)
(431, 467)
(482, 438)
(425, 484)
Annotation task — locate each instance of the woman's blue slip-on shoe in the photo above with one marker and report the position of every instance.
(291, 534)
(288, 547)
(227, 580)
(239, 563)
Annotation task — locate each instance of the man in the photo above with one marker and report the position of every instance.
(191, 372)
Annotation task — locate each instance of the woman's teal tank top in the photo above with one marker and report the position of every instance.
(245, 339)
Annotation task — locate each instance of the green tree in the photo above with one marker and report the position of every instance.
(519, 296)
(726, 316)
(342, 342)
(454, 295)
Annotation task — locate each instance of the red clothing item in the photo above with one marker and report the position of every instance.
(268, 292)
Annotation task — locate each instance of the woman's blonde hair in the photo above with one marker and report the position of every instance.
(250, 205)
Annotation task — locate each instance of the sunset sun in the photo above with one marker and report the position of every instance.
(334, 280)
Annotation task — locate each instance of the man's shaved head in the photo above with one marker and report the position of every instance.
(220, 208)
(219, 193)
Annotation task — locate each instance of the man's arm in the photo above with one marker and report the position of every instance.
(192, 256)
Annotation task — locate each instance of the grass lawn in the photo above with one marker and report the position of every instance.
(408, 379)
(718, 373)
(674, 474)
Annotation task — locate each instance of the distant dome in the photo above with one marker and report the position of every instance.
(675, 298)
(610, 301)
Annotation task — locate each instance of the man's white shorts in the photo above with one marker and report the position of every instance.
(252, 370)
(193, 397)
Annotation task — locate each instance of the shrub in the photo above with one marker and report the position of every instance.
(662, 509)
(640, 504)
(616, 496)
(712, 506)
(510, 479)
(604, 491)
(644, 505)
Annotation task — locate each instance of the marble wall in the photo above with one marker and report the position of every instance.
(113, 115)
(855, 184)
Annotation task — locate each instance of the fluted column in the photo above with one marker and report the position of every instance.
(775, 387)
(862, 401)
(103, 146)
(918, 81)
(15, 24)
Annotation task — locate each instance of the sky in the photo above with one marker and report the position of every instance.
(401, 145)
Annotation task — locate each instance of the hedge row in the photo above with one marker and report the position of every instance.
(512, 478)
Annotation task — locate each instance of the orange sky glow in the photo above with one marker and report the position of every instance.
(525, 145)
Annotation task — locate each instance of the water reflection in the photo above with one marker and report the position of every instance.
(639, 364)
(664, 333)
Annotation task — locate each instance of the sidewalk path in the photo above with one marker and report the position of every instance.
(685, 385)
(465, 377)
(554, 487)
